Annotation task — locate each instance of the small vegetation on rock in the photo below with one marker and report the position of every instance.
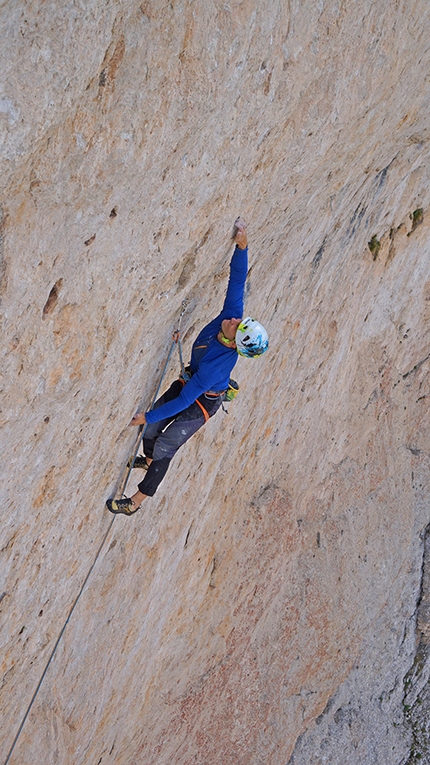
(416, 217)
(374, 246)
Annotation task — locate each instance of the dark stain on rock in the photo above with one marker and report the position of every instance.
(356, 219)
(212, 573)
(392, 248)
(90, 240)
(52, 298)
(188, 535)
(317, 259)
(381, 178)
(416, 367)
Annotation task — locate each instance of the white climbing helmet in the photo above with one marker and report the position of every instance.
(251, 338)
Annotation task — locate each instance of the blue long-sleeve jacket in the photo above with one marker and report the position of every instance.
(211, 361)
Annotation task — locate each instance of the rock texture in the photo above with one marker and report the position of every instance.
(270, 605)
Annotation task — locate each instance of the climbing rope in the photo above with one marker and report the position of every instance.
(175, 341)
(57, 644)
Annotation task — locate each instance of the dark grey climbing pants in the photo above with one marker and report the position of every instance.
(163, 439)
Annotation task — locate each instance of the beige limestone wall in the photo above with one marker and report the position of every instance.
(262, 608)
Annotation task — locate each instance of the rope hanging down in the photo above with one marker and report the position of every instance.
(176, 341)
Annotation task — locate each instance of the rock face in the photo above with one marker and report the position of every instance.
(270, 604)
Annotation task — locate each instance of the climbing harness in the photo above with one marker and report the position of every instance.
(175, 341)
(184, 377)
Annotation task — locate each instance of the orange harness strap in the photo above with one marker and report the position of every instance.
(205, 413)
(206, 416)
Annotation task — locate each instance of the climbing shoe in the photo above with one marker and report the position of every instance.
(124, 506)
(139, 462)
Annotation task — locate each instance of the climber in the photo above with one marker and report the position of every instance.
(189, 403)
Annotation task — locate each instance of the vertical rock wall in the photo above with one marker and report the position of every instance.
(263, 607)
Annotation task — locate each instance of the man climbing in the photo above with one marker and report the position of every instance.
(188, 404)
